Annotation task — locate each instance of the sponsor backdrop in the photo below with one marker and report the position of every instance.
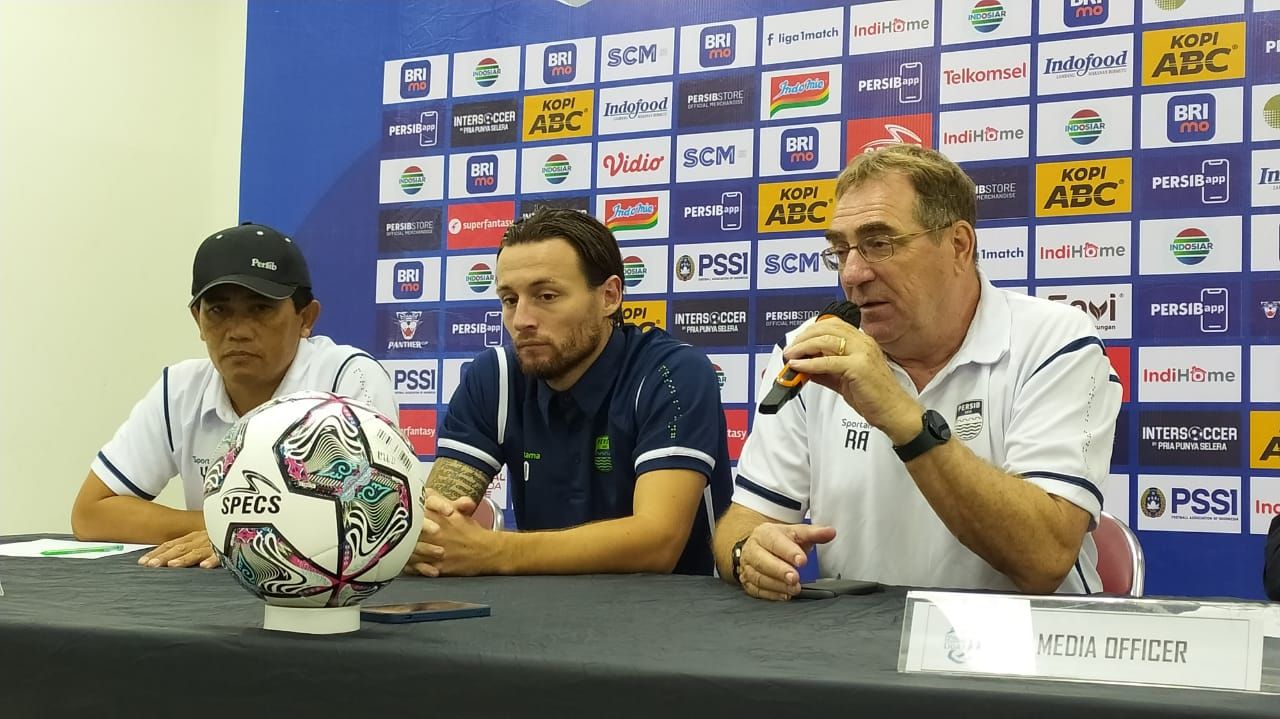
(1127, 156)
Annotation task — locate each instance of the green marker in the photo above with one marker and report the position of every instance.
(82, 550)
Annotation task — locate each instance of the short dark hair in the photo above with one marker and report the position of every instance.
(597, 250)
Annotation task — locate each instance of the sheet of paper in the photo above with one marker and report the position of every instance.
(34, 548)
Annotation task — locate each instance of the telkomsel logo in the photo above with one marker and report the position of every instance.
(549, 117)
(560, 63)
(1084, 187)
(1192, 54)
(795, 206)
(1084, 13)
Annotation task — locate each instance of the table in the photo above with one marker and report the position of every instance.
(104, 637)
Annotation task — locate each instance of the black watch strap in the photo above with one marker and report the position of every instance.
(736, 556)
(935, 431)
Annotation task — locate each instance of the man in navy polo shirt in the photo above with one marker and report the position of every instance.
(613, 435)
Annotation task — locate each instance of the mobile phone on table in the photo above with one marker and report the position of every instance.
(421, 611)
(829, 588)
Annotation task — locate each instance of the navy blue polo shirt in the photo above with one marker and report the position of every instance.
(647, 403)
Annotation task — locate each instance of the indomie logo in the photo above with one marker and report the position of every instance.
(716, 45)
(632, 213)
(792, 92)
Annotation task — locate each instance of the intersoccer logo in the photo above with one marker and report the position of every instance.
(791, 92)
(637, 213)
(487, 72)
(479, 277)
(987, 15)
(556, 169)
(1191, 246)
(1085, 126)
(412, 180)
(633, 270)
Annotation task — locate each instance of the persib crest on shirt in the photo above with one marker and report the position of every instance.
(968, 422)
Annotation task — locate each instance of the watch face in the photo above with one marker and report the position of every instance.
(938, 426)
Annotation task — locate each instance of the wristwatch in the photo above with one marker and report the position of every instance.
(935, 432)
(737, 558)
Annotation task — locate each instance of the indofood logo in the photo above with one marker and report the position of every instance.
(636, 213)
(1085, 126)
(684, 268)
(1089, 64)
(633, 270)
(987, 15)
(479, 277)
(791, 92)
(1153, 502)
(412, 180)
(556, 169)
(1191, 246)
(487, 72)
(634, 109)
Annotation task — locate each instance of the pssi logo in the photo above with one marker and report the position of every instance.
(1188, 54)
(1083, 188)
(799, 90)
(559, 63)
(1084, 13)
(415, 79)
(1192, 117)
(482, 174)
(408, 280)
(716, 45)
(790, 206)
(631, 213)
(799, 149)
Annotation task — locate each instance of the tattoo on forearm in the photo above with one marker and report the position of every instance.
(455, 479)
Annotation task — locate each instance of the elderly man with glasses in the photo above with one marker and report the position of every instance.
(958, 439)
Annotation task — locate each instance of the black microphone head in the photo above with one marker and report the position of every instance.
(845, 310)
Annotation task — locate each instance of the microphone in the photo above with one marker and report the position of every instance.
(789, 382)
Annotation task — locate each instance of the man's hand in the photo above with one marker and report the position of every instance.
(840, 357)
(186, 551)
(773, 555)
(427, 552)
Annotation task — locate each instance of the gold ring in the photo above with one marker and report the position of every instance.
(842, 344)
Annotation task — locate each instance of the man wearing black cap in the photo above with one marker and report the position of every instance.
(251, 300)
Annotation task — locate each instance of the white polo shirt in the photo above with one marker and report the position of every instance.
(1030, 390)
(184, 415)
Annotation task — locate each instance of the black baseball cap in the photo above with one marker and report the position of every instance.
(253, 256)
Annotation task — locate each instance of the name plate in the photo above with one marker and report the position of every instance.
(1113, 640)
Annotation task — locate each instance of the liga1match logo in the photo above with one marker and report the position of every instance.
(806, 89)
(631, 213)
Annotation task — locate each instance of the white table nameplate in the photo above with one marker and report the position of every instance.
(1105, 639)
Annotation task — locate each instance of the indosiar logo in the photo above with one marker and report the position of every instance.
(1089, 187)
(795, 206)
(548, 117)
(633, 270)
(1193, 54)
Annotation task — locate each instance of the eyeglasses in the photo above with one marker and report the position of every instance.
(876, 248)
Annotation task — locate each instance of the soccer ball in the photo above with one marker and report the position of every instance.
(313, 500)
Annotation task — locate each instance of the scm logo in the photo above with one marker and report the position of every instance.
(1091, 187)
(1192, 54)
(793, 206)
(566, 114)
(646, 314)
